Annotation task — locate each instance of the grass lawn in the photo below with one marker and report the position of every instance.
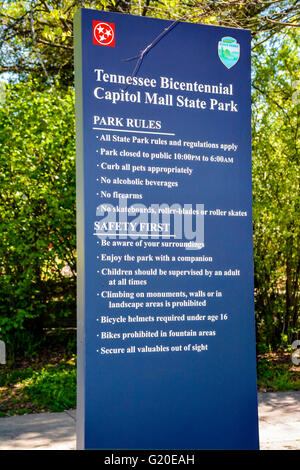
(47, 381)
(277, 373)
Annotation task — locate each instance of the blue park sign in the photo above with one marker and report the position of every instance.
(166, 334)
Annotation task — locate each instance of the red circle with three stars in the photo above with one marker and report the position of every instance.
(104, 34)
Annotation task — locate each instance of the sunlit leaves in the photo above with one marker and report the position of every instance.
(37, 211)
(276, 187)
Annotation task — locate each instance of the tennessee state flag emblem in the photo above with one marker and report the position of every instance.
(104, 34)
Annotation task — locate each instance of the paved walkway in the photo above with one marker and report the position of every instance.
(279, 426)
(279, 420)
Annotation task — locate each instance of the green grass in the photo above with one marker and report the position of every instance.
(276, 373)
(49, 388)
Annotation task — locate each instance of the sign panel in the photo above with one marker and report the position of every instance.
(166, 336)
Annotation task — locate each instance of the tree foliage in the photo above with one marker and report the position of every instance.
(36, 36)
(276, 185)
(37, 211)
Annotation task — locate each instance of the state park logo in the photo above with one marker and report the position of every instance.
(229, 51)
(104, 34)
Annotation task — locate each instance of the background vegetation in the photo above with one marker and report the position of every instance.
(37, 182)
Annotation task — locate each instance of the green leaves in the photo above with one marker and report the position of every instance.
(37, 210)
(37, 37)
(53, 388)
(276, 195)
(50, 387)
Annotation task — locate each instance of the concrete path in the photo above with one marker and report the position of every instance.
(279, 426)
(279, 420)
(51, 431)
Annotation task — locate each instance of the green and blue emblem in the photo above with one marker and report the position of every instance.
(229, 51)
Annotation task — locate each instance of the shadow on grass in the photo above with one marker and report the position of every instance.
(51, 388)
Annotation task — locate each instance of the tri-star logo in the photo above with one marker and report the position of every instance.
(103, 33)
